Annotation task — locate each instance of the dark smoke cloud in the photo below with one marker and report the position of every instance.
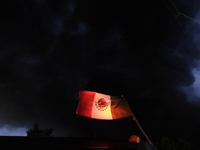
(30, 31)
(191, 29)
(52, 49)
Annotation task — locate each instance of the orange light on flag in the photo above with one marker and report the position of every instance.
(100, 106)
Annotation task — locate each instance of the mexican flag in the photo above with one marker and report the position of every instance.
(100, 106)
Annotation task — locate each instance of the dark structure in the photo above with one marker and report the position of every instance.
(58, 143)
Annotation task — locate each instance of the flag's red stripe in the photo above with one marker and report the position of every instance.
(121, 111)
(86, 99)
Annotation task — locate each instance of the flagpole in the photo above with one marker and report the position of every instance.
(134, 118)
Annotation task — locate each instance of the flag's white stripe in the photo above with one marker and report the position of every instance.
(98, 114)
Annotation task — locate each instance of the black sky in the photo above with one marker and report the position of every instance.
(52, 49)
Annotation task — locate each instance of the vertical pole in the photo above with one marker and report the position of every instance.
(134, 118)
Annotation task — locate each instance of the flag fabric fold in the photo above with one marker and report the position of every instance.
(100, 106)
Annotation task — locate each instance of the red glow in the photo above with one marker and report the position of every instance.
(134, 138)
(98, 146)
